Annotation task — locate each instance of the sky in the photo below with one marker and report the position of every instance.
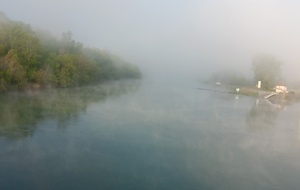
(175, 37)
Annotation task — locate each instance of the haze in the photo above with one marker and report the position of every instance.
(175, 38)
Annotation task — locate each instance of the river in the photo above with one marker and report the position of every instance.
(147, 135)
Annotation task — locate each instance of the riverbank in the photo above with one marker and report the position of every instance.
(248, 91)
(33, 60)
(292, 95)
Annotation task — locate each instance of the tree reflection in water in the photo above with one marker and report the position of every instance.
(20, 112)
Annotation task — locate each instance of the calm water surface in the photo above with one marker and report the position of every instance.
(147, 135)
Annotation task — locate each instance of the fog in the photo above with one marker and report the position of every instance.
(175, 38)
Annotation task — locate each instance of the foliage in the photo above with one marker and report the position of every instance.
(36, 59)
(267, 69)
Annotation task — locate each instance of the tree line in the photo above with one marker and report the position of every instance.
(36, 59)
(265, 67)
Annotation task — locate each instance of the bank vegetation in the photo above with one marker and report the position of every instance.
(35, 59)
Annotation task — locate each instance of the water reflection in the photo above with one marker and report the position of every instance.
(263, 114)
(20, 112)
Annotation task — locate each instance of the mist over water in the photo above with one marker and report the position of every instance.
(147, 135)
(167, 130)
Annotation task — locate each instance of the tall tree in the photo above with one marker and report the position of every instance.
(267, 69)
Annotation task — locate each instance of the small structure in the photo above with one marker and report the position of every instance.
(259, 84)
(281, 89)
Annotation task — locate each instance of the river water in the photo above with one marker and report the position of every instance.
(147, 135)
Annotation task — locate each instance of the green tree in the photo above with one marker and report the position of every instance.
(14, 72)
(267, 69)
